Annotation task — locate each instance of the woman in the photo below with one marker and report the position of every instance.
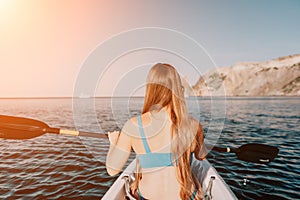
(164, 138)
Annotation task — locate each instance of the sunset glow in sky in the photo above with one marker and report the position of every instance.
(44, 43)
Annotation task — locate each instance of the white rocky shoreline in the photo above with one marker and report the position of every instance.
(277, 77)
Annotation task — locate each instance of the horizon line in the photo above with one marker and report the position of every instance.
(70, 97)
(67, 97)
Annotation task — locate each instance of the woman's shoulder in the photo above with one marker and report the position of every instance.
(131, 126)
(145, 119)
(194, 122)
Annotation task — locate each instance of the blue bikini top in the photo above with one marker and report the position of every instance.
(149, 159)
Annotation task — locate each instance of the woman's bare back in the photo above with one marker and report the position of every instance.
(159, 182)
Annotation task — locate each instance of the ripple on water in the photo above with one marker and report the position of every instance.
(53, 167)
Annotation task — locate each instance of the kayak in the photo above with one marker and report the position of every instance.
(213, 185)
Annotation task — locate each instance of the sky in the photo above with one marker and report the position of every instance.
(46, 45)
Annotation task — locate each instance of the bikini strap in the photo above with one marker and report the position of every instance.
(143, 136)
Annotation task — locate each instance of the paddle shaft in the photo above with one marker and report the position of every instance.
(74, 133)
(25, 128)
(81, 133)
(257, 153)
(227, 149)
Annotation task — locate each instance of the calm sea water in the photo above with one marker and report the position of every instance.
(51, 166)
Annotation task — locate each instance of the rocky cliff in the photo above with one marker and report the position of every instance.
(278, 77)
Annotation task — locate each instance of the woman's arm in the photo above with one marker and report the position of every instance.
(119, 151)
(200, 149)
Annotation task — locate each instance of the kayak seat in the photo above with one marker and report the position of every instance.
(150, 159)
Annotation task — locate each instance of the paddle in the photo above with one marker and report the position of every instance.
(25, 128)
(257, 153)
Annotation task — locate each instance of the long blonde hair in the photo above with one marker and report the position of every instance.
(164, 89)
